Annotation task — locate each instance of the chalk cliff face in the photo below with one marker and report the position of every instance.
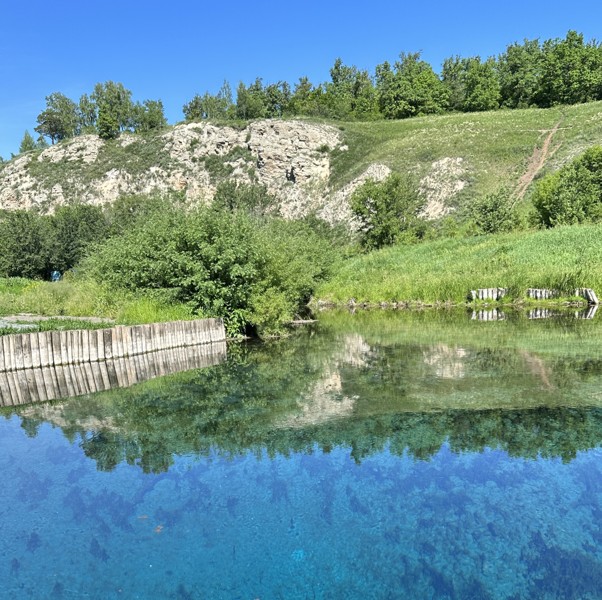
(291, 158)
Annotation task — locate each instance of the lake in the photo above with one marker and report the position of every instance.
(373, 455)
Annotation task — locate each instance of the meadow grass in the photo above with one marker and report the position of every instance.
(445, 270)
(495, 146)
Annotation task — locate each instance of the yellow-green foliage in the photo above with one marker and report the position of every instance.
(445, 270)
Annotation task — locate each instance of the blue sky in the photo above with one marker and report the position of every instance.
(172, 49)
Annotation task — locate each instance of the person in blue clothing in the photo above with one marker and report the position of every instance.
(55, 275)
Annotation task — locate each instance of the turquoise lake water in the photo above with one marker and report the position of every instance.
(374, 456)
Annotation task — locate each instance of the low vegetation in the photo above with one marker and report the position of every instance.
(444, 270)
(155, 259)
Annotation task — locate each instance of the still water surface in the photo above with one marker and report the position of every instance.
(375, 456)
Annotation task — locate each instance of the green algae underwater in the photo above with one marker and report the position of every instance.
(380, 454)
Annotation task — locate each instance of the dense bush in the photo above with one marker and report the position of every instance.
(573, 194)
(389, 211)
(254, 272)
(495, 213)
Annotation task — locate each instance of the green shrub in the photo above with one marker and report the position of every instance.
(253, 272)
(495, 213)
(573, 194)
(389, 211)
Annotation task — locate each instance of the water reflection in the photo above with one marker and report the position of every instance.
(377, 456)
(532, 392)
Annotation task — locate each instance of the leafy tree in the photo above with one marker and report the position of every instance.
(412, 89)
(148, 116)
(471, 85)
(453, 76)
(107, 124)
(389, 211)
(520, 72)
(573, 194)
(114, 105)
(208, 106)
(27, 143)
(303, 100)
(350, 93)
(571, 71)
(88, 113)
(277, 99)
(251, 102)
(60, 119)
(482, 87)
(72, 232)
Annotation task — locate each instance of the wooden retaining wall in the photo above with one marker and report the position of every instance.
(53, 348)
(24, 386)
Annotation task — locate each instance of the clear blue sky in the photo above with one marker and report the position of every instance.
(172, 49)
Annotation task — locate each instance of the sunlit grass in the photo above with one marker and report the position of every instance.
(84, 298)
(495, 146)
(445, 270)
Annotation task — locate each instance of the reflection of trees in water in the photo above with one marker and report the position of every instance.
(333, 390)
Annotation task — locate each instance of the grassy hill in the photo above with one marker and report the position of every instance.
(497, 147)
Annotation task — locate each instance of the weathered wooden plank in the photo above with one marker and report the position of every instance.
(18, 350)
(100, 342)
(6, 393)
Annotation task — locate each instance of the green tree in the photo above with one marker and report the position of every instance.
(350, 93)
(60, 119)
(520, 72)
(412, 89)
(277, 99)
(148, 116)
(251, 102)
(471, 85)
(27, 143)
(107, 124)
(88, 114)
(571, 71)
(72, 232)
(389, 211)
(453, 76)
(114, 102)
(482, 87)
(209, 106)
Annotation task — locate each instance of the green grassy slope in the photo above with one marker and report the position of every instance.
(445, 270)
(495, 146)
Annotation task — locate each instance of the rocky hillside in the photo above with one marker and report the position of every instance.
(291, 158)
(308, 166)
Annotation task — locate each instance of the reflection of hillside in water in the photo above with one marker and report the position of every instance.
(365, 391)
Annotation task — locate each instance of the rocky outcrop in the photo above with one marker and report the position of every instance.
(291, 158)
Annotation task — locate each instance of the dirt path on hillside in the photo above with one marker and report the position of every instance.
(537, 161)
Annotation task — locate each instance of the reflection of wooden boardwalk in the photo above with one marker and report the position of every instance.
(24, 386)
(51, 348)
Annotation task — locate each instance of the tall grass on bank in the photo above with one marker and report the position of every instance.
(85, 298)
(563, 258)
